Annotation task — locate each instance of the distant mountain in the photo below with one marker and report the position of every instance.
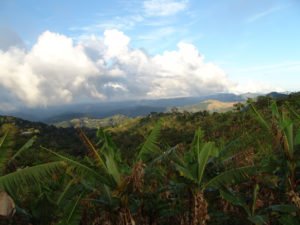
(54, 114)
(250, 95)
(209, 105)
(277, 95)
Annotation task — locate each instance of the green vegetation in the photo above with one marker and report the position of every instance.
(210, 105)
(237, 167)
(93, 123)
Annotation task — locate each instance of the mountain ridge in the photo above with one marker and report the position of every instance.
(130, 108)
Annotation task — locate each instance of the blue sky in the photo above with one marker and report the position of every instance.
(256, 43)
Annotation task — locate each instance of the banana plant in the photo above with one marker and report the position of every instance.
(11, 181)
(106, 178)
(281, 128)
(254, 210)
(192, 167)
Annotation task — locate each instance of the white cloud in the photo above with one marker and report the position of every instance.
(164, 7)
(116, 43)
(17, 76)
(56, 70)
(255, 87)
(184, 73)
(50, 72)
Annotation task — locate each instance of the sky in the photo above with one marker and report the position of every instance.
(62, 51)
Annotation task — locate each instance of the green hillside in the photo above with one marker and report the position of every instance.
(209, 105)
(241, 166)
(93, 123)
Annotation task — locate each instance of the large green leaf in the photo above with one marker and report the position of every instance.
(79, 167)
(112, 167)
(283, 208)
(260, 118)
(30, 175)
(110, 155)
(93, 151)
(202, 158)
(25, 147)
(65, 191)
(289, 220)
(292, 110)
(150, 147)
(235, 199)
(254, 198)
(5, 150)
(72, 212)
(164, 156)
(2, 139)
(297, 138)
(286, 125)
(185, 172)
(258, 219)
(275, 111)
(235, 175)
(93, 174)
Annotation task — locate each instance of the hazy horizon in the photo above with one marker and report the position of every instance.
(56, 53)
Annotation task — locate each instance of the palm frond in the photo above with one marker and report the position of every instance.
(165, 155)
(235, 175)
(297, 138)
(275, 111)
(203, 155)
(72, 212)
(79, 167)
(65, 191)
(26, 146)
(29, 175)
(5, 150)
(106, 141)
(289, 135)
(289, 220)
(260, 118)
(110, 155)
(292, 111)
(3, 138)
(93, 152)
(198, 138)
(150, 147)
(99, 176)
(185, 171)
(235, 199)
(112, 167)
(258, 219)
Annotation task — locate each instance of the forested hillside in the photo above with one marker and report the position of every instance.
(237, 167)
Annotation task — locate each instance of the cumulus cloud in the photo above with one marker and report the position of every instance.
(51, 72)
(164, 7)
(56, 70)
(183, 72)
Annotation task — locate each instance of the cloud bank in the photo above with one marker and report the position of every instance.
(57, 70)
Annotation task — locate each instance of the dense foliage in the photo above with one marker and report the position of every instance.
(238, 167)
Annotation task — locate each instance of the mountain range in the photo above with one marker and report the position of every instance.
(132, 108)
